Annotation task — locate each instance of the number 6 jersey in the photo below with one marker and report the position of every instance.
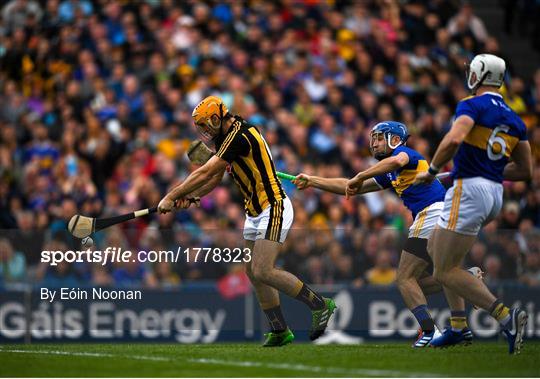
(488, 146)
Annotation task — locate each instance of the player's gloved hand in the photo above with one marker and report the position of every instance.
(353, 186)
(166, 205)
(424, 178)
(302, 181)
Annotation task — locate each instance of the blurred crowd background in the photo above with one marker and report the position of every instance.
(95, 105)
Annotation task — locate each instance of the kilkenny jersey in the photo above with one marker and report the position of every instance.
(415, 197)
(252, 167)
(488, 146)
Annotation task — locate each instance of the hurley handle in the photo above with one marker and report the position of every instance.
(102, 223)
(285, 176)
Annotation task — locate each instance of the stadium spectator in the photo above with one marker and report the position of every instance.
(133, 274)
(467, 22)
(382, 274)
(531, 276)
(12, 263)
(492, 274)
(56, 276)
(21, 13)
(165, 277)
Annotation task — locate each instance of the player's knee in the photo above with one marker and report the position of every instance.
(403, 278)
(261, 273)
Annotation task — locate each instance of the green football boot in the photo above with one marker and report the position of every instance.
(320, 318)
(273, 339)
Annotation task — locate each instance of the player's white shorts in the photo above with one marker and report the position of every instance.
(272, 224)
(425, 221)
(470, 204)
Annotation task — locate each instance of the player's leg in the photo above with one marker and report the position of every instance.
(413, 264)
(476, 203)
(470, 287)
(415, 261)
(267, 296)
(468, 205)
(461, 333)
(264, 255)
(429, 285)
(270, 235)
(448, 249)
(458, 317)
(410, 269)
(419, 259)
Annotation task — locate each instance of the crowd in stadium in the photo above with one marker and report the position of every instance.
(95, 118)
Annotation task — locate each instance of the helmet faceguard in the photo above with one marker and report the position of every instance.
(373, 137)
(208, 117)
(387, 130)
(485, 69)
(208, 129)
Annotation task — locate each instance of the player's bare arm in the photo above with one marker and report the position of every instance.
(447, 148)
(334, 185)
(193, 182)
(207, 187)
(521, 166)
(200, 192)
(389, 164)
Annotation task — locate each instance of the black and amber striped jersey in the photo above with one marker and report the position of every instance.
(252, 167)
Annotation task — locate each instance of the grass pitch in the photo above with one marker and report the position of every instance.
(249, 360)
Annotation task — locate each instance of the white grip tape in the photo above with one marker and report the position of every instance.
(142, 212)
(443, 175)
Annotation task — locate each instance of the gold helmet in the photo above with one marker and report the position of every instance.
(203, 116)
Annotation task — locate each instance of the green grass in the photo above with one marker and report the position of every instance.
(249, 360)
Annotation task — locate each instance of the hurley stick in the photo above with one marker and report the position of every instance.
(83, 226)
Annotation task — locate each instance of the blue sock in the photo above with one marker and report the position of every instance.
(423, 317)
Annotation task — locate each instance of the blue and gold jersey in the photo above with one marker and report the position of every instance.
(415, 197)
(488, 146)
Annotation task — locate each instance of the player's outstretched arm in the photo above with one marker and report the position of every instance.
(193, 182)
(386, 165)
(521, 166)
(334, 185)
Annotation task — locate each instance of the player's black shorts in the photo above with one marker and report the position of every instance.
(418, 247)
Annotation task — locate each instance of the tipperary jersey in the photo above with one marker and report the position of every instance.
(415, 197)
(252, 167)
(488, 146)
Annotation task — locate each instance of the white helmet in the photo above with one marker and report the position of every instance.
(485, 69)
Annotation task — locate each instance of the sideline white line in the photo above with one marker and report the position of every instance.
(318, 369)
(85, 354)
(223, 362)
